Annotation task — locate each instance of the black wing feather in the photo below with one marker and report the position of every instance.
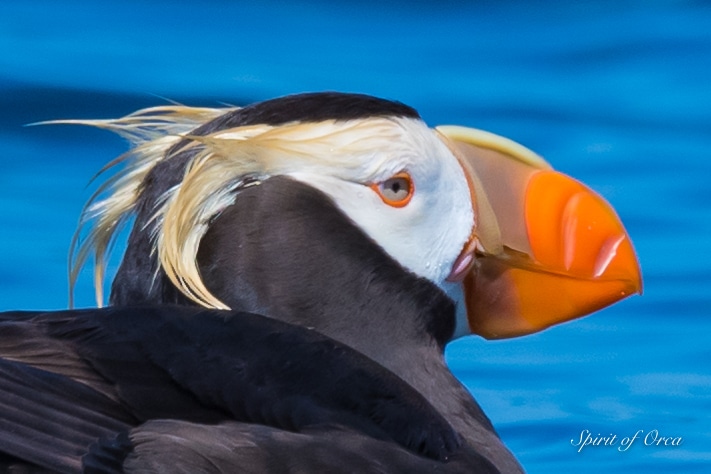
(206, 366)
(232, 447)
(50, 420)
(200, 366)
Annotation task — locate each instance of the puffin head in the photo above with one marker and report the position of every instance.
(517, 245)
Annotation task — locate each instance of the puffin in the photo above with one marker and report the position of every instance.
(347, 216)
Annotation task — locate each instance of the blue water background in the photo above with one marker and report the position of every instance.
(615, 93)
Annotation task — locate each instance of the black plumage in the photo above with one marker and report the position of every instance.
(310, 107)
(164, 387)
(108, 372)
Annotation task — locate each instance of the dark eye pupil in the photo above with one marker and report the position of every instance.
(396, 189)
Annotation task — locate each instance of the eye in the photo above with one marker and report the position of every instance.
(396, 191)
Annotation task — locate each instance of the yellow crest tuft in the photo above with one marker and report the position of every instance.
(152, 132)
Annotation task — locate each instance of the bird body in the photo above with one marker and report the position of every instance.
(338, 244)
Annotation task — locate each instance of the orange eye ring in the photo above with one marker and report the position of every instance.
(395, 191)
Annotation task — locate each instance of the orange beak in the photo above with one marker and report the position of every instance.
(546, 248)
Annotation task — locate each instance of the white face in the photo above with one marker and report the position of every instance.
(428, 232)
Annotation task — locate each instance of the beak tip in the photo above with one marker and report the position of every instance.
(574, 231)
(624, 266)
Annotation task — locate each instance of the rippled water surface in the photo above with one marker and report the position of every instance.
(616, 94)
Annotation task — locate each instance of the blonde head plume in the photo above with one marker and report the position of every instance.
(152, 132)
